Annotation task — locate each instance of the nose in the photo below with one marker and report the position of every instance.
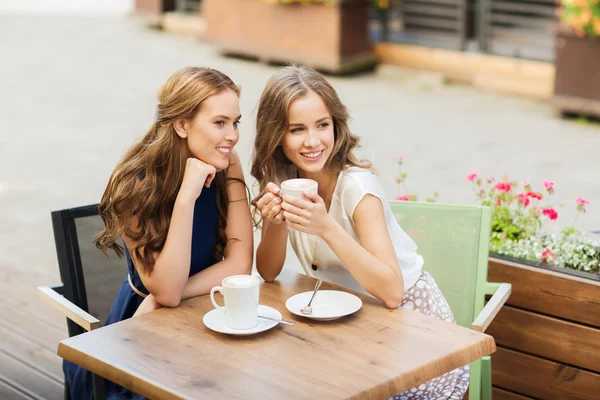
(233, 135)
(311, 139)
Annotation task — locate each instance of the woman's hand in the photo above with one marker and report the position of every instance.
(308, 216)
(269, 204)
(197, 175)
(148, 305)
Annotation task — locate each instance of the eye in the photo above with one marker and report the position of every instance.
(220, 123)
(236, 123)
(296, 130)
(324, 125)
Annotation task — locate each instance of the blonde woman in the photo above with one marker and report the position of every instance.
(178, 200)
(345, 234)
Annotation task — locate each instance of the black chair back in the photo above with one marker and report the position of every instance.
(90, 279)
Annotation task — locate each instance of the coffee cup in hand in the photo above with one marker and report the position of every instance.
(297, 187)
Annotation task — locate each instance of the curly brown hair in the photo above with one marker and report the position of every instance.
(284, 87)
(146, 181)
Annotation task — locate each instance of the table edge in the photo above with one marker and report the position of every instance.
(80, 358)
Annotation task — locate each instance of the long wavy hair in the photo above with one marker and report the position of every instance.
(284, 87)
(146, 181)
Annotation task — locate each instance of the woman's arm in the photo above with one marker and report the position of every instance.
(238, 252)
(373, 261)
(172, 264)
(171, 268)
(270, 255)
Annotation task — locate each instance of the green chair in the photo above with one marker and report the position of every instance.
(454, 241)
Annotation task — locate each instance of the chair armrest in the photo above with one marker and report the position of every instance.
(70, 310)
(486, 316)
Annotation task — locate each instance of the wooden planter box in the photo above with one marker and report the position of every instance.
(548, 334)
(577, 79)
(331, 38)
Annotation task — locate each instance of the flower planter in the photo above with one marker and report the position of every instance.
(577, 79)
(332, 38)
(548, 334)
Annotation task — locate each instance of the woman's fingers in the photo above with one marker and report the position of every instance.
(264, 201)
(294, 218)
(271, 210)
(294, 225)
(300, 203)
(279, 218)
(274, 212)
(295, 210)
(273, 188)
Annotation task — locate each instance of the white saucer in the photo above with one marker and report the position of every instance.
(326, 306)
(215, 320)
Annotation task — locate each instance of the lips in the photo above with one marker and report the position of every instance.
(226, 151)
(313, 155)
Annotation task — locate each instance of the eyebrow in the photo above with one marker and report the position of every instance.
(226, 117)
(320, 120)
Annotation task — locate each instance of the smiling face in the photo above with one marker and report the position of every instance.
(309, 140)
(301, 121)
(213, 132)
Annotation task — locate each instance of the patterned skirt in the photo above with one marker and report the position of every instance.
(425, 297)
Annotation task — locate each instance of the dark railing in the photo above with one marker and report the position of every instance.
(515, 28)
(435, 23)
(519, 28)
(188, 6)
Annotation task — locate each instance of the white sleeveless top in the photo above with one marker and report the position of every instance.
(352, 185)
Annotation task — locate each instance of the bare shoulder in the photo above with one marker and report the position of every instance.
(369, 208)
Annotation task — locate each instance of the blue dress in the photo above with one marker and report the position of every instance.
(204, 239)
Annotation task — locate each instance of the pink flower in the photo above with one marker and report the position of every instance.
(491, 179)
(399, 160)
(403, 198)
(526, 183)
(581, 202)
(498, 201)
(502, 187)
(548, 255)
(549, 186)
(550, 213)
(472, 177)
(534, 195)
(523, 198)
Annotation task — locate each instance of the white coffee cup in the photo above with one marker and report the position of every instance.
(241, 293)
(297, 187)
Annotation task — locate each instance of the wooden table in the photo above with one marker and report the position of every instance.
(373, 354)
